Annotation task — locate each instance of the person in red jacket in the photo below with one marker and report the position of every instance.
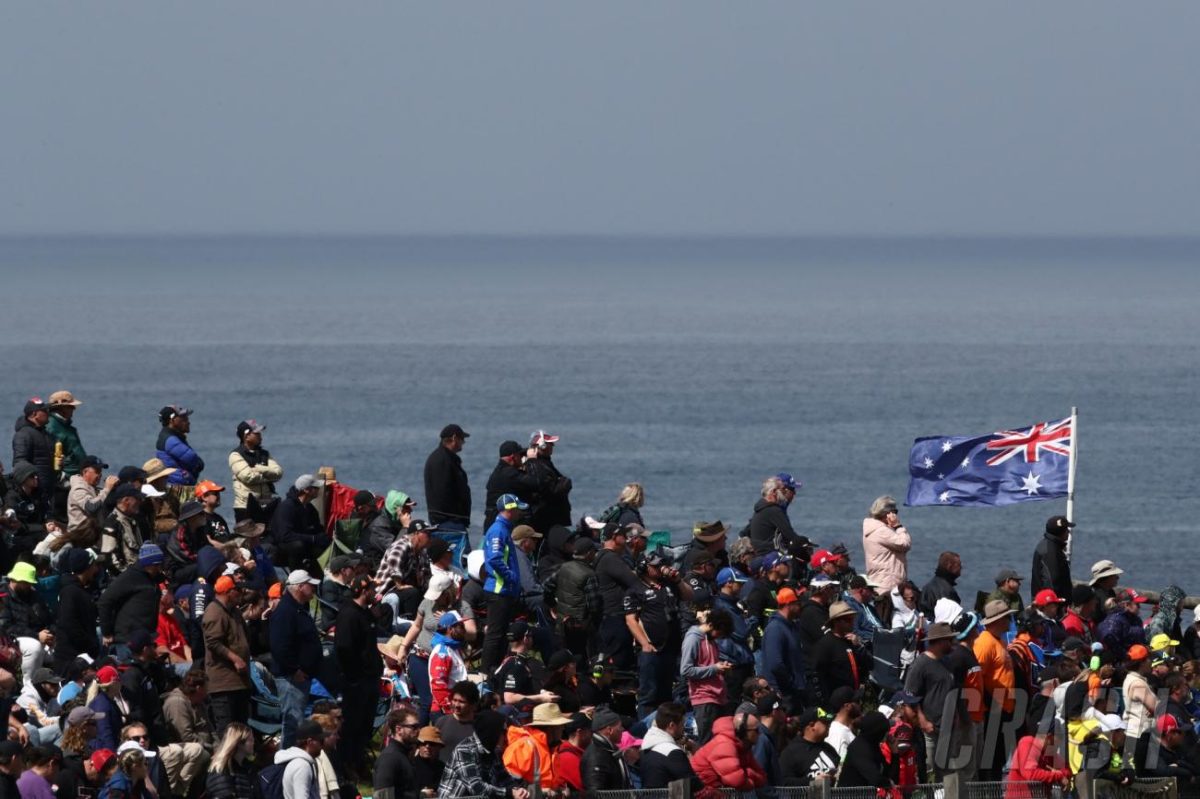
(576, 737)
(727, 761)
(1033, 761)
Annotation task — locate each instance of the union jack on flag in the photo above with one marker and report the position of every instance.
(1002, 468)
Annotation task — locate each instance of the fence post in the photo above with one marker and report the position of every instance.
(822, 788)
(679, 789)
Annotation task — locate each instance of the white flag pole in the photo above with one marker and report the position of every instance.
(1071, 474)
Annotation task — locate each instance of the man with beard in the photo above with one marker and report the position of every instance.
(808, 756)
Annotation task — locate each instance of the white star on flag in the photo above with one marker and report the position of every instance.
(928, 463)
(947, 446)
(1031, 483)
(944, 496)
(966, 464)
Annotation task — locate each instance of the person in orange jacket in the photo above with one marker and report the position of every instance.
(527, 755)
(727, 760)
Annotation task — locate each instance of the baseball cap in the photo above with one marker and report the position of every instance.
(94, 462)
(306, 481)
(729, 575)
(788, 481)
(510, 502)
(275, 591)
(510, 448)
(1047, 597)
(82, 715)
(583, 546)
(107, 675)
(1058, 524)
(1004, 575)
(518, 630)
(149, 491)
(452, 617)
(249, 426)
(35, 404)
(134, 746)
(140, 639)
(821, 580)
(1072, 643)
(523, 531)
(773, 559)
(1130, 595)
(820, 558)
(814, 714)
(541, 437)
(841, 697)
(1081, 594)
(904, 698)
(436, 549)
(364, 497)
(786, 596)
(101, 758)
(226, 584)
(300, 577)
(658, 559)
(339, 562)
(125, 492)
(1166, 723)
(451, 430)
(207, 487)
(169, 412)
(75, 560)
(42, 674)
(1138, 652)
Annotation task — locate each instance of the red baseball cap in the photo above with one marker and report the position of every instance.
(1047, 597)
(101, 758)
(821, 557)
(1166, 723)
(107, 675)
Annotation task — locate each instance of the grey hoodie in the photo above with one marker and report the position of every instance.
(300, 776)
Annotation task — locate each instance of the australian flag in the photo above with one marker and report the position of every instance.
(996, 469)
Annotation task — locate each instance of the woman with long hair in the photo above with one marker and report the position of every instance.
(104, 696)
(231, 772)
(129, 780)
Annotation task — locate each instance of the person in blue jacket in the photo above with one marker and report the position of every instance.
(735, 648)
(503, 583)
(173, 449)
(783, 650)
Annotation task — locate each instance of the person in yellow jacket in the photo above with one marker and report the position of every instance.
(528, 753)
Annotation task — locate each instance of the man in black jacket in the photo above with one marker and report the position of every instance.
(509, 478)
(1050, 566)
(75, 631)
(33, 444)
(602, 767)
(361, 667)
(295, 650)
(296, 526)
(663, 759)
(552, 503)
(949, 569)
(808, 756)
(130, 602)
(577, 601)
(142, 685)
(770, 520)
(447, 492)
(30, 519)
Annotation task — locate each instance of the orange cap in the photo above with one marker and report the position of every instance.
(225, 584)
(1138, 652)
(275, 591)
(207, 486)
(786, 596)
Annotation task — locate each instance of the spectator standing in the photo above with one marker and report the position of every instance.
(577, 600)
(173, 449)
(940, 713)
(361, 667)
(998, 681)
(226, 655)
(942, 584)
(459, 724)
(1008, 590)
(33, 445)
(508, 477)
(503, 584)
(552, 502)
(295, 652)
(427, 763)
(770, 527)
(864, 766)
(839, 658)
(614, 578)
(254, 474)
(1051, 569)
(702, 668)
(394, 777)
(651, 609)
(886, 543)
(783, 662)
(447, 491)
(296, 525)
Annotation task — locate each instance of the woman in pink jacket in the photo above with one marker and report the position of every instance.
(885, 545)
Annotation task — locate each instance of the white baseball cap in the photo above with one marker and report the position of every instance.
(300, 577)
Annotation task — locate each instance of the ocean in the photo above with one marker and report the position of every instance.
(694, 366)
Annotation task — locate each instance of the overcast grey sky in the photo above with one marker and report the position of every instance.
(607, 118)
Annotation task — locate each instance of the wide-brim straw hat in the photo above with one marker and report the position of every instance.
(547, 714)
(155, 468)
(995, 610)
(839, 609)
(391, 648)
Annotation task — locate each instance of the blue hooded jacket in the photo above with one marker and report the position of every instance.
(783, 656)
(173, 451)
(500, 560)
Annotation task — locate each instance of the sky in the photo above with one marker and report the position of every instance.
(613, 118)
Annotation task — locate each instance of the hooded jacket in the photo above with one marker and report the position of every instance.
(508, 479)
(35, 446)
(783, 663)
(770, 519)
(382, 530)
(62, 431)
(664, 761)
(552, 503)
(130, 602)
(864, 765)
(698, 665)
(528, 752)
(173, 450)
(726, 761)
(300, 774)
(75, 632)
(556, 550)
(886, 552)
(940, 586)
(1166, 616)
(1050, 567)
(1119, 631)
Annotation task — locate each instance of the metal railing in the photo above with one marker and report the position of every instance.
(1143, 789)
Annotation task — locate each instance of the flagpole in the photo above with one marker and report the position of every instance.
(1071, 474)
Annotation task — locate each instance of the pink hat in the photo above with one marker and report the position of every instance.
(628, 741)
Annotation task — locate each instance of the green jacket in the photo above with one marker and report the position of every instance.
(73, 452)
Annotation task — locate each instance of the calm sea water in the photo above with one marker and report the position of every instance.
(695, 367)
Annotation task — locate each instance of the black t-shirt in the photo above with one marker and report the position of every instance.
(515, 677)
(802, 760)
(655, 607)
(615, 578)
(591, 694)
(932, 682)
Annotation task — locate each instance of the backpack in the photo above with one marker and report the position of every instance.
(269, 782)
(611, 514)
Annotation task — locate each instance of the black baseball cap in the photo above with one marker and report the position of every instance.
(510, 448)
(364, 497)
(1056, 525)
(92, 460)
(436, 549)
(452, 430)
(130, 473)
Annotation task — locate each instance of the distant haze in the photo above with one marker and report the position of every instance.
(676, 118)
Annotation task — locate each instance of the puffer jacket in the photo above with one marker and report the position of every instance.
(64, 432)
(35, 446)
(770, 519)
(726, 762)
(25, 615)
(664, 761)
(1119, 631)
(254, 472)
(130, 602)
(576, 593)
(173, 450)
(235, 783)
(886, 553)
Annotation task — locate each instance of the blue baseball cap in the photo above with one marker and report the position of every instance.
(511, 502)
(729, 575)
(773, 559)
(788, 481)
(449, 619)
